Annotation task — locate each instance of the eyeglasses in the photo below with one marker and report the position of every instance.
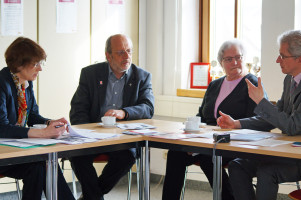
(41, 63)
(238, 58)
(124, 52)
(282, 57)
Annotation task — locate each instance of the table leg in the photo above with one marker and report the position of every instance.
(51, 176)
(217, 177)
(147, 171)
(140, 176)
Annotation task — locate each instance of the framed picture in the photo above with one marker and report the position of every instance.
(200, 75)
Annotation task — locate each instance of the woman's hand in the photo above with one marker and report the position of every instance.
(63, 120)
(226, 121)
(54, 130)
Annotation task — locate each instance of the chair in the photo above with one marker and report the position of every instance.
(102, 158)
(183, 188)
(17, 185)
(73, 177)
(186, 171)
(295, 195)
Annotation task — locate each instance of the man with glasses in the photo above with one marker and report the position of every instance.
(286, 116)
(114, 88)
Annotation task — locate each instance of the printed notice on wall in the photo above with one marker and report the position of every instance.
(66, 16)
(120, 2)
(115, 16)
(11, 17)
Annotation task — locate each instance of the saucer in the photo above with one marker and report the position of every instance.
(108, 126)
(193, 130)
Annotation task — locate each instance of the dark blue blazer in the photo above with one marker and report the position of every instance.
(237, 104)
(86, 104)
(9, 108)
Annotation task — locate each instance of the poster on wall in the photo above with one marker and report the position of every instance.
(66, 16)
(115, 16)
(12, 17)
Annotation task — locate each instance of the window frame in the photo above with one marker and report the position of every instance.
(204, 24)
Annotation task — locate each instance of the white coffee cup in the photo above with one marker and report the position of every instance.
(108, 120)
(194, 119)
(39, 126)
(191, 125)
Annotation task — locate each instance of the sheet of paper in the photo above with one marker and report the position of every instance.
(66, 16)
(101, 136)
(176, 136)
(12, 20)
(170, 136)
(200, 75)
(245, 131)
(38, 141)
(147, 132)
(248, 137)
(17, 144)
(206, 135)
(87, 133)
(135, 126)
(75, 140)
(267, 143)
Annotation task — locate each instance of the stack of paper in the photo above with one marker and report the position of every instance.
(248, 135)
(75, 136)
(135, 126)
(176, 136)
(79, 136)
(147, 132)
(28, 142)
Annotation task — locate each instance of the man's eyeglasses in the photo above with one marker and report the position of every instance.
(229, 59)
(282, 57)
(124, 52)
(41, 63)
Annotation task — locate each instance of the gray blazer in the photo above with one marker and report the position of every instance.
(86, 104)
(286, 115)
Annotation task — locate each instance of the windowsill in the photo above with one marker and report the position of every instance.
(196, 93)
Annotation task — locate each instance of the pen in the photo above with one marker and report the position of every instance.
(59, 126)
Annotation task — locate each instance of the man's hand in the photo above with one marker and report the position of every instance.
(226, 121)
(119, 114)
(255, 93)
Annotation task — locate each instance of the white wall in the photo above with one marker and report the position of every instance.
(153, 54)
(69, 53)
(108, 20)
(66, 55)
(170, 46)
(275, 20)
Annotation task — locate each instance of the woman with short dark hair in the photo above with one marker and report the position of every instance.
(19, 111)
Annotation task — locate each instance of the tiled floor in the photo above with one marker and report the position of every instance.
(194, 191)
(120, 193)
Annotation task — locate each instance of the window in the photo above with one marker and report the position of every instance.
(235, 19)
